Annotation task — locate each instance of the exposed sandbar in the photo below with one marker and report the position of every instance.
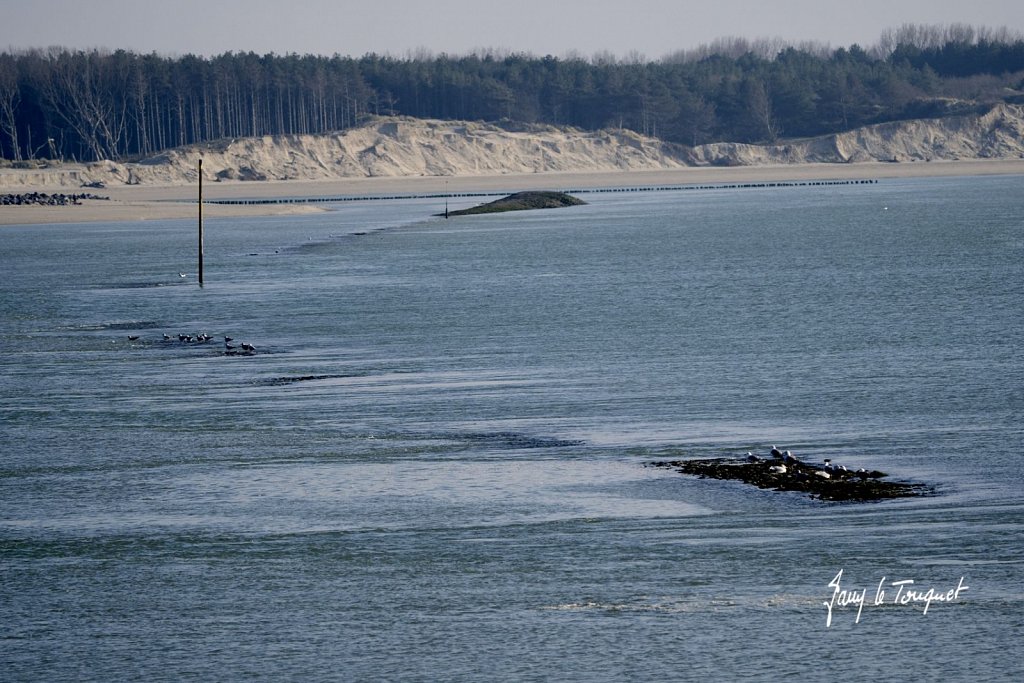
(163, 202)
(522, 201)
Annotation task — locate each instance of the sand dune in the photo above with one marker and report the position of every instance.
(399, 147)
(410, 155)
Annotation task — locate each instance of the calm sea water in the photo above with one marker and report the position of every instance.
(433, 466)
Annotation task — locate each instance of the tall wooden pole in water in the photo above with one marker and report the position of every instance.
(200, 222)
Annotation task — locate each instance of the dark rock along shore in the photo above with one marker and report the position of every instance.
(841, 485)
(44, 199)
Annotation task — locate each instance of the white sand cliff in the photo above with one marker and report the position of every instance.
(999, 134)
(401, 147)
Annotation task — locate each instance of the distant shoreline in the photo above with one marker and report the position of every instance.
(170, 202)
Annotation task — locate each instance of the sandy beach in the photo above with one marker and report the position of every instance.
(156, 202)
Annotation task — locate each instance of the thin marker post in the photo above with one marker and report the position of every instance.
(200, 222)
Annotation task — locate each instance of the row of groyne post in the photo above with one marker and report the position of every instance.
(443, 195)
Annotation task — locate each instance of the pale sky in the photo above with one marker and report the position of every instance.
(652, 28)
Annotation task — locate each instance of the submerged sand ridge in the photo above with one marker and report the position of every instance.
(408, 148)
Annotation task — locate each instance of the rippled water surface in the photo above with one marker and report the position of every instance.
(432, 467)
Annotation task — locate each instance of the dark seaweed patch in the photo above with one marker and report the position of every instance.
(839, 486)
(295, 379)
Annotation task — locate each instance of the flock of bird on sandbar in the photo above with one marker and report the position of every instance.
(240, 349)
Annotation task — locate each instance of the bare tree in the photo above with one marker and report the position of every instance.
(761, 109)
(76, 93)
(10, 98)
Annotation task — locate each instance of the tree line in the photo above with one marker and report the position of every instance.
(90, 105)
